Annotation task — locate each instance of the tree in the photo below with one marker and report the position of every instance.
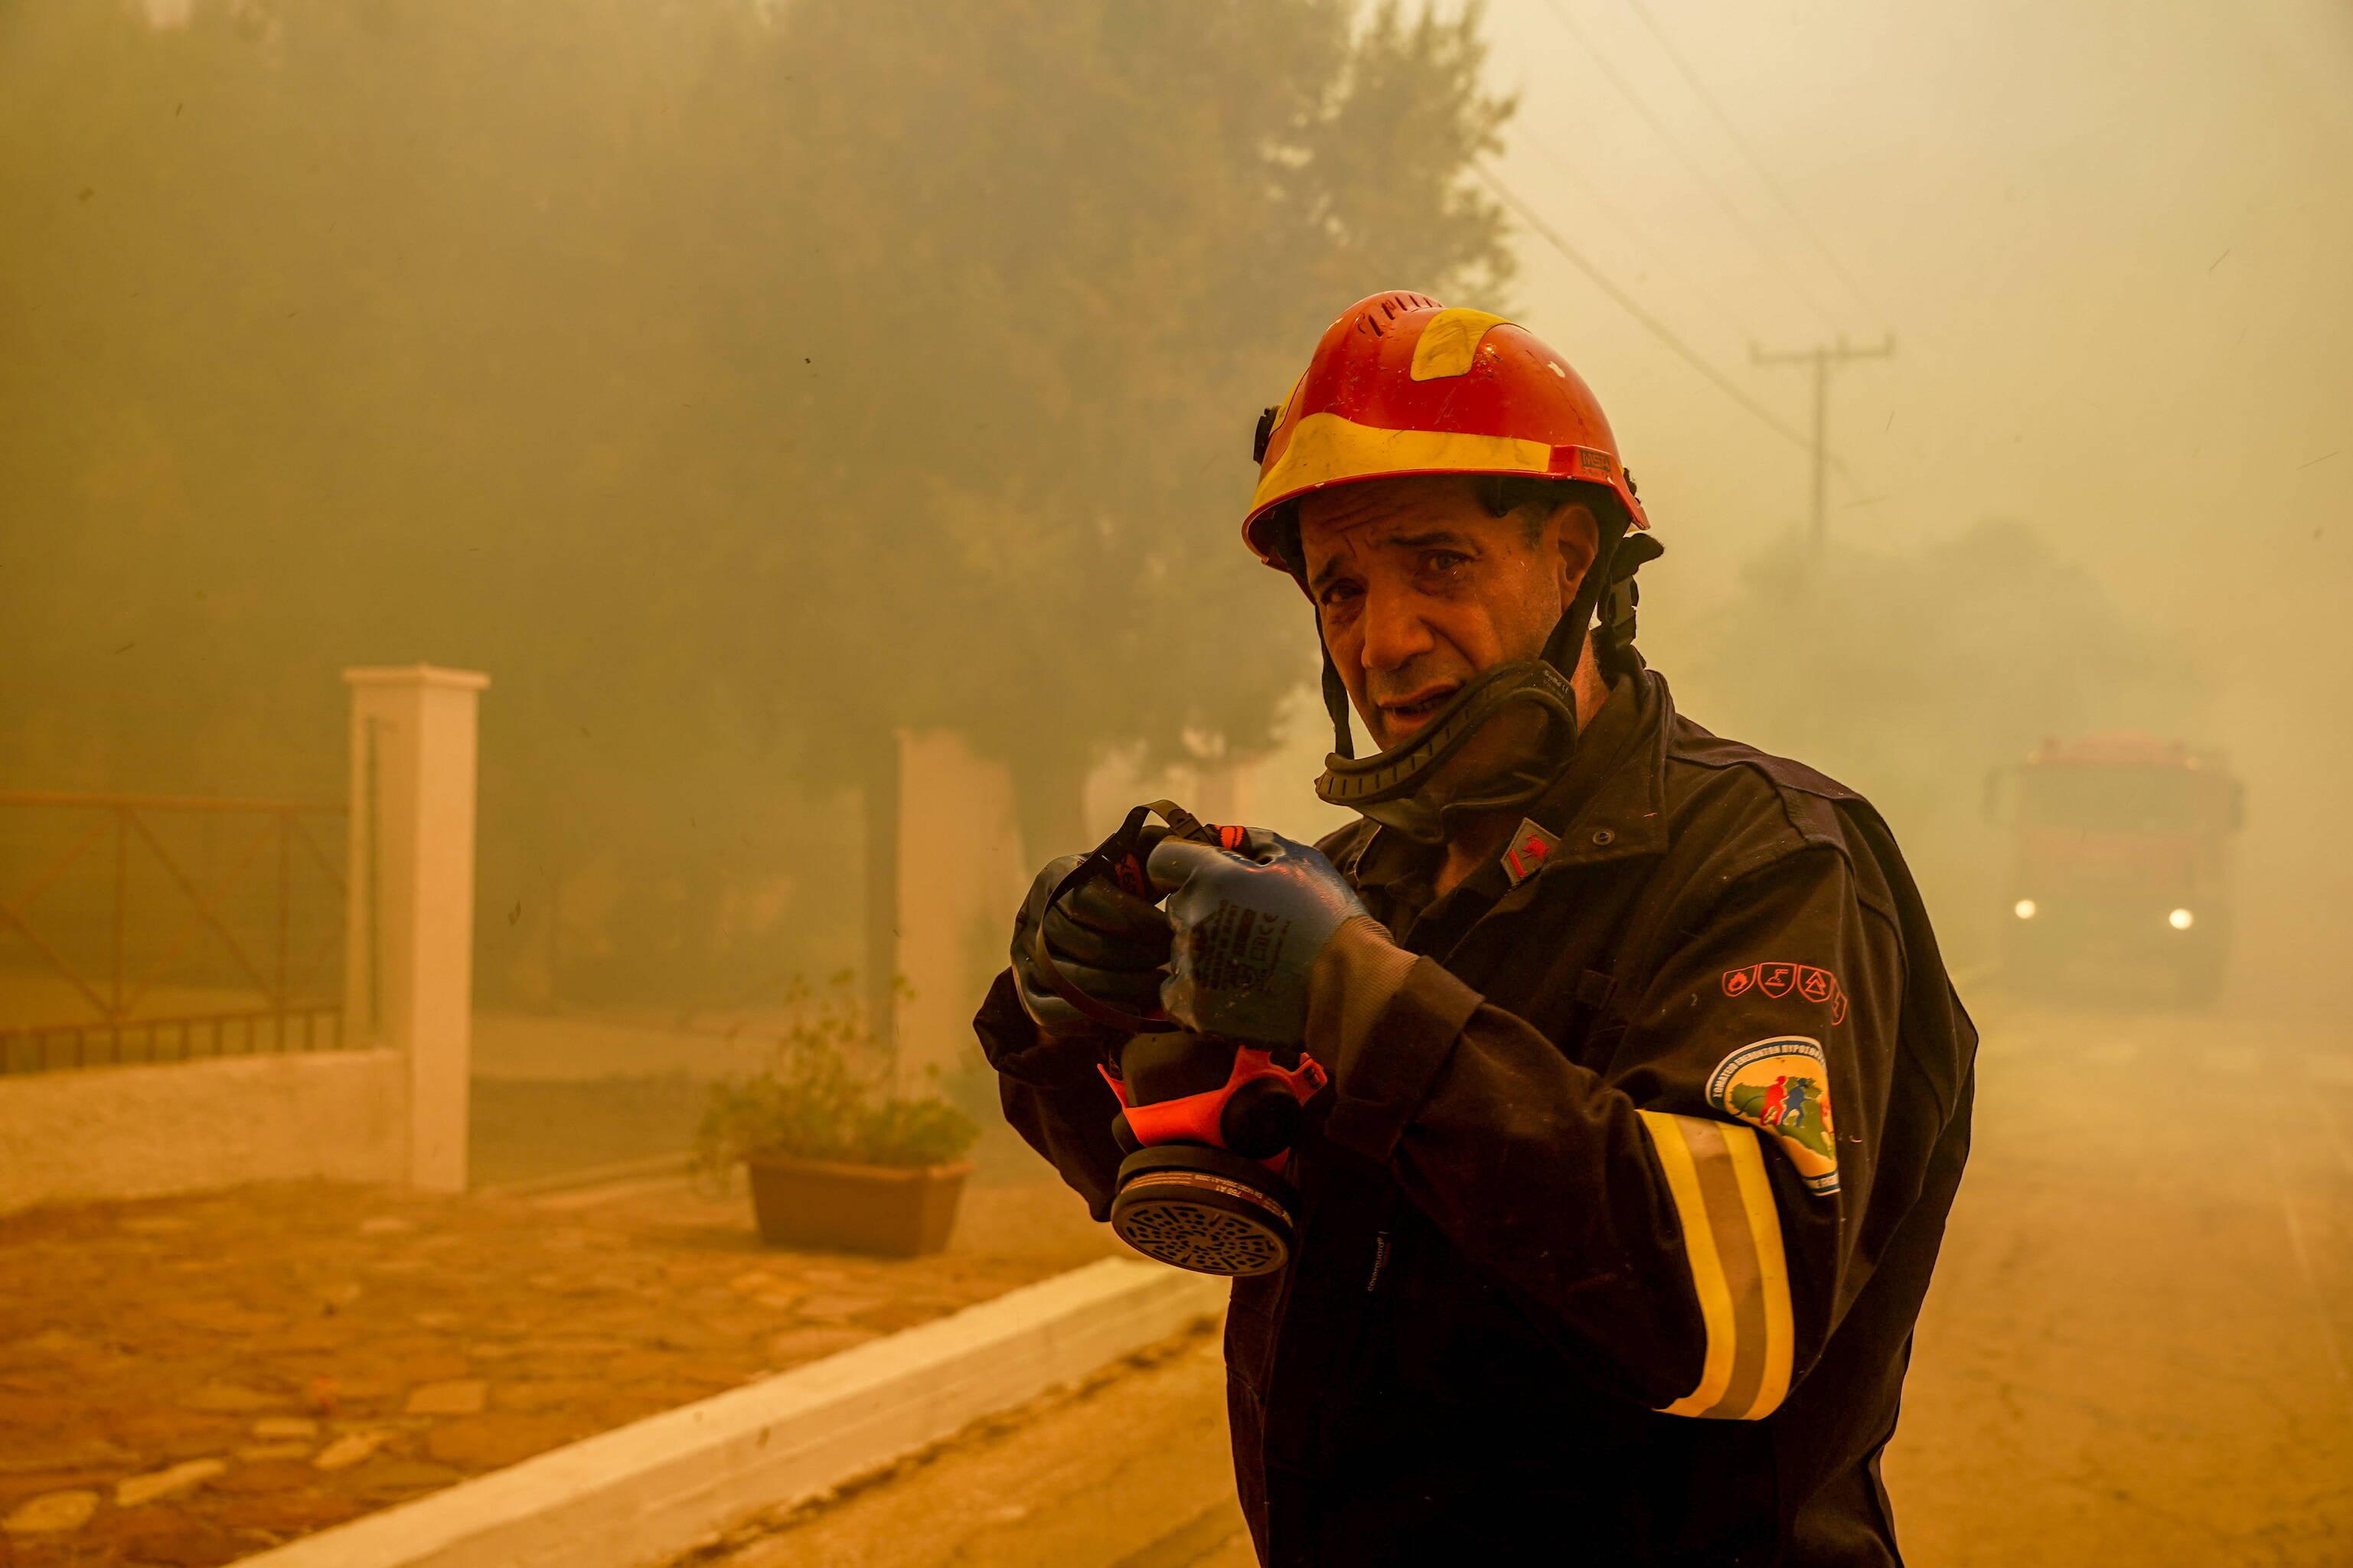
(734, 382)
(1042, 263)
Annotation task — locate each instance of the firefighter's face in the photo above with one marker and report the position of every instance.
(1418, 589)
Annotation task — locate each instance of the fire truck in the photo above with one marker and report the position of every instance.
(2120, 869)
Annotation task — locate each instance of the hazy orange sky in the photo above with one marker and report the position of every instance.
(2114, 240)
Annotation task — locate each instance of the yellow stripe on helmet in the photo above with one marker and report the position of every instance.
(1324, 447)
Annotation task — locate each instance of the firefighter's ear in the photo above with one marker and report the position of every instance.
(1576, 535)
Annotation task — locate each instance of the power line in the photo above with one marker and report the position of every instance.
(1649, 245)
(1707, 99)
(1625, 89)
(1650, 323)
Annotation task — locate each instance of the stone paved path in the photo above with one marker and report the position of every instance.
(189, 1381)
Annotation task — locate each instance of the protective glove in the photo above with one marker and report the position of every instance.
(1250, 928)
(1106, 941)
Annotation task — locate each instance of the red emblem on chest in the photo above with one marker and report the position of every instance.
(1531, 845)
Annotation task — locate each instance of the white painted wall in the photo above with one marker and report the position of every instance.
(139, 1131)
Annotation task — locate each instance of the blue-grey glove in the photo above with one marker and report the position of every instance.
(1108, 943)
(1250, 926)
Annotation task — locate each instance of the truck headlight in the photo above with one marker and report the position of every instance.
(2181, 920)
(2024, 909)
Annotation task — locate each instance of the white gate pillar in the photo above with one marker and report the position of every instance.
(408, 971)
(960, 877)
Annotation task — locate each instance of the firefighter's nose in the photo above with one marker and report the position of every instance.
(1395, 633)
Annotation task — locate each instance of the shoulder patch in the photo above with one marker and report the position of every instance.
(1532, 845)
(1782, 1087)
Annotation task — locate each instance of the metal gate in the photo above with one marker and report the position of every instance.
(155, 928)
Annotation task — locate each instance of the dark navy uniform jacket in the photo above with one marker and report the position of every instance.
(1617, 1220)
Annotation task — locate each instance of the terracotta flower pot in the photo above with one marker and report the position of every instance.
(893, 1210)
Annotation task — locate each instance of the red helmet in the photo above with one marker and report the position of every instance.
(1400, 384)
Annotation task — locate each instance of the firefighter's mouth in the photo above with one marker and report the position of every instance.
(1414, 710)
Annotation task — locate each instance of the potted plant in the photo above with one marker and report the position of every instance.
(835, 1155)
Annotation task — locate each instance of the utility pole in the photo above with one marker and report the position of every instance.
(1822, 357)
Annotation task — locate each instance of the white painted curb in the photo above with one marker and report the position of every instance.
(645, 1492)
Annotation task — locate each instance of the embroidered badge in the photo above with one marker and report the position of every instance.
(1783, 1087)
(1530, 847)
(1806, 981)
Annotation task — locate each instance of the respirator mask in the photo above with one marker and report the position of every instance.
(1206, 1124)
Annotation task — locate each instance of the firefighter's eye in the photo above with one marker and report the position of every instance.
(1443, 562)
(1341, 592)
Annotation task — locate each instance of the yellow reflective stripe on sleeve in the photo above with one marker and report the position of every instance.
(1773, 1271)
(1732, 1241)
(1699, 1251)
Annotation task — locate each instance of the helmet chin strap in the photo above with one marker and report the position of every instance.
(1336, 698)
(1396, 777)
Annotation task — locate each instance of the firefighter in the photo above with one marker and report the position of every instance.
(1573, 1283)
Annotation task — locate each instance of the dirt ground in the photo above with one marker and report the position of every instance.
(189, 1381)
(2137, 1349)
(1125, 1471)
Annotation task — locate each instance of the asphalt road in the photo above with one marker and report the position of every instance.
(2138, 1350)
